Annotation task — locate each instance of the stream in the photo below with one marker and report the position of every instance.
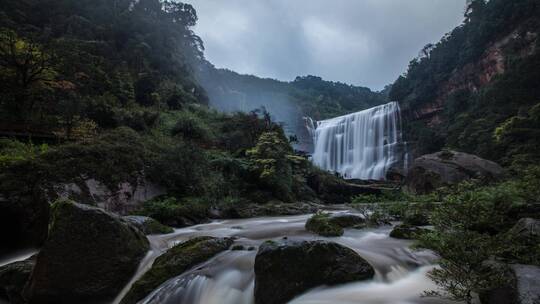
(228, 278)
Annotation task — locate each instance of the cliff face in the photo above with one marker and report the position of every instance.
(474, 76)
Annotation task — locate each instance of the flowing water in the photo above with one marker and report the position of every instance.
(228, 278)
(362, 145)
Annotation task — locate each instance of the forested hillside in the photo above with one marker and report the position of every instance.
(477, 89)
(309, 95)
(71, 67)
(99, 104)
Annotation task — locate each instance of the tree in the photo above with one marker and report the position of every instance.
(26, 69)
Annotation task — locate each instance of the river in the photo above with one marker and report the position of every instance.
(228, 278)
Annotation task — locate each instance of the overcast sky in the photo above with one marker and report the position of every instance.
(362, 42)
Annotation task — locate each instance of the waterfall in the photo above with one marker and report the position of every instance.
(362, 145)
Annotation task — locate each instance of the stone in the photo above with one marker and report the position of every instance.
(407, 232)
(13, 278)
(287, 269)
(444, 168)
(148, 225)
(88, 258)
(174, 262)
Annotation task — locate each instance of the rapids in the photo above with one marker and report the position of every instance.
(228, 278)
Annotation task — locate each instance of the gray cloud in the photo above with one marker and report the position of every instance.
(363, 42)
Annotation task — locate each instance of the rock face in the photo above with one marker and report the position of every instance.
(88, 258)
(432, 171)
(13, 277)
(148, 225)
(285, 270)
(174, 262)
(126, 197)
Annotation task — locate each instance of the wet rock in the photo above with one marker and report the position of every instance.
(345, 220)
(321, 224)
(285, 270)
(521, 285)
(433, 171)
(407, 232)
(174, 262)
(13, 278)
(88, 258)
(148, 225)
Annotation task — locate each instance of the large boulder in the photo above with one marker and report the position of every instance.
(148, 225)
(174, 262)
(88, 258)
(285, 270)
(326, 224)
(13, 278)
(432, 171)
(521, 285)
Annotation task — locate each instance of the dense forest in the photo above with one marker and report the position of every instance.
(481, 84)
(114, 126)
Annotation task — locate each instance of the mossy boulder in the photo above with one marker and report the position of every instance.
(148, 225)
(174, 262)
(13, 278)
(285, 270)
(407, 232)
(88, 258)
(345, 220)
(321, 224)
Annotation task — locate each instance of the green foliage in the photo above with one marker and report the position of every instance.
(173, 212)
(480, 114)
(472, 226)
(116, 63)
(12, 151)
(272, 165)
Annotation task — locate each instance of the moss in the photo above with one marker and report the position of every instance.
(156, 227)
(174, 262)
(407, 232)
(322, 224)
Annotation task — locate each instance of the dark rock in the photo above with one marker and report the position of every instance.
(321, 224)
(148, 225)
(88, 258)
(407, 232)
(528, 283)
(23, 221)
(526, 228)
(174, 262)
(335, 190)
(345, 220)
(13, 278)
(433, 171)
(285, 270)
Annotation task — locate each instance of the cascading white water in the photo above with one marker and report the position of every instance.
(360, 145)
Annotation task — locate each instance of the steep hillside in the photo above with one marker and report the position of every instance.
(287, 102)
(478, 85)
